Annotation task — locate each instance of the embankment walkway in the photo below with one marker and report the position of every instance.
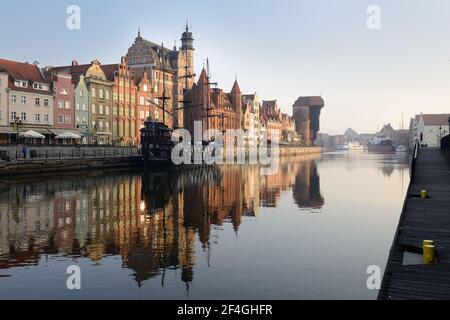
(428, 219)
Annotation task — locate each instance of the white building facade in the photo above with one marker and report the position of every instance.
(429, 129)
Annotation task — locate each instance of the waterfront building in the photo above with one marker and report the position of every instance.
(288, 133)
(3, 101)
(146, 106)
(125, 126)
(29, 99)
(429, 129)
(307, 117)
(100, 98)
(271, 117)
(250, 121)
(170, 71)
(63, 99)
(213, 107)
(82, 103)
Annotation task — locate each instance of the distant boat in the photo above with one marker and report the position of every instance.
(355, 146)
(401, 149)
(381, 145)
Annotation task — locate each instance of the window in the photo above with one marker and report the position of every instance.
(107, 126)
(46, 103)
(46, 118)
(100, 109)
(84, 107)
(21, 84)
(37, 102)
(100, 125)
(84, 121)
(78, 120)
(145, 88)
(142, 114)
(13, 98)
(68, 120)
(142, 101)
(23, 116)
(67, 105)
(23, 100)
(107, 110)
(107, 95)
(93, 109)
(60, 119)
(61, 104)
(77, 106)
(13, 116)
(93, 92)
(37, 117)
(101, 93)
(81, 93)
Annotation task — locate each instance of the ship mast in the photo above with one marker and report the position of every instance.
(164, 97)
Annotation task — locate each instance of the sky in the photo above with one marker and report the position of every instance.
(281, 49)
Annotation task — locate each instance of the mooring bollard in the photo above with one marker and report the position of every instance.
(424, 194)
(429, 252)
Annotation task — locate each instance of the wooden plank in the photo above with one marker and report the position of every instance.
(422, 220)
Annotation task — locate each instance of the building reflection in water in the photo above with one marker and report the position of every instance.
(152, 221)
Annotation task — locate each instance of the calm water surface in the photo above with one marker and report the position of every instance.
(308, 232)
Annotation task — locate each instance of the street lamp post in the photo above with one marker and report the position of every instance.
(17, 123)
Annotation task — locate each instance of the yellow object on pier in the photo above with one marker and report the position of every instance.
(424, 194)
(429, 252)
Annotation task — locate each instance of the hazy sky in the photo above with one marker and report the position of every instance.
(281, 49)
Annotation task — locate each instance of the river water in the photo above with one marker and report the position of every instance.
(308, 232)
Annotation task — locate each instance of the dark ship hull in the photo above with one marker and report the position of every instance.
(380, 148)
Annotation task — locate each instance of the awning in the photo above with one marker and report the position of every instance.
(68, 135)
(58, 132)
(32, 134)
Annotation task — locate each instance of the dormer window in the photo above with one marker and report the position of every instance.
(21, 84)
(40, 86)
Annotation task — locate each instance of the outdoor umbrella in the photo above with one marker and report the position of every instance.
(32, 135)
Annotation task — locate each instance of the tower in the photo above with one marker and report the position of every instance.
(185, 75)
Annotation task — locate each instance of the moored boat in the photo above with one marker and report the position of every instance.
(381, 145)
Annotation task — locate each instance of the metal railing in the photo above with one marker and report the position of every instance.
(30, 152)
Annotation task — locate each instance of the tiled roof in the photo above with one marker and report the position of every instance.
(109, 70)
(25, 72)
(436, 119)
(310, 101)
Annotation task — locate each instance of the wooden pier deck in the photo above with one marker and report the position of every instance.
(422, 220)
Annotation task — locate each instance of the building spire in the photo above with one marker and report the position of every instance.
(139, 32)
(187, 25)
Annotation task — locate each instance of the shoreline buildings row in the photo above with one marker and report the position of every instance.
(108, 103)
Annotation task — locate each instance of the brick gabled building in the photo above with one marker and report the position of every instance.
(271, 119)
(125, 124)
(170, 71)
(215, 108)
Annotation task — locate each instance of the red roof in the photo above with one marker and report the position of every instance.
(25, 72)
(436, 119)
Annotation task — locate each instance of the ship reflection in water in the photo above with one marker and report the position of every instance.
(159, 228)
